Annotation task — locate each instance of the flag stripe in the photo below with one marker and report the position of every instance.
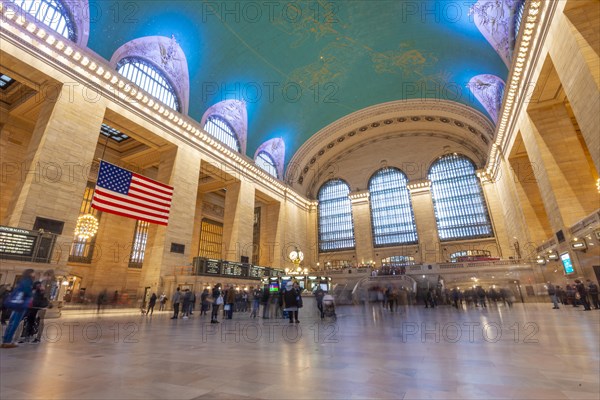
(125, 207)
(138, 216)
(133, 188)
(151, 187)
(156, 183)
(131, 195)
(107, 196)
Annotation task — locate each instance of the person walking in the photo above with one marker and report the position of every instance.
(204, 303)
(162, 300)
(290, 300)
(30, 322)
(217, 301)
(176, 301)
(256, 296)
(593, 294)
(18, 302)
(264, 301)
(582, 291)
(319, 294)
(230, 302)
(552, 294)
(151, 304)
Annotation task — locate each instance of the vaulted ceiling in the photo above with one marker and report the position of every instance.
(301, 66)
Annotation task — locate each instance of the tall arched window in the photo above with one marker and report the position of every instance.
(265, 161)
(222, 131)
(53, 14)
(149, 78)
(460, 209)
(336, 229)
(392, 216)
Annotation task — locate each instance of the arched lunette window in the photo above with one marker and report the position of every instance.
(336, 228)
(51, 13)
(460, 209)
(150, 78)
(392, 217)
(265, 161)
(222, 131)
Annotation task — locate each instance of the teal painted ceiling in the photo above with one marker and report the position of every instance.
(301, 66)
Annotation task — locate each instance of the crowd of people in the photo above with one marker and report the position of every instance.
(285, 303)
(575, 294)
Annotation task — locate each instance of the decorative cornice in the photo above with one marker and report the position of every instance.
(399, 115)
(534, 27)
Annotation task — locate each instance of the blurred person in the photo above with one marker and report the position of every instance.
(19, 302)
(162, 300)
(217, 301)
(290, 300)
(593, 294)
(552, 293)
(319, 294)
(230, 301)
(31, 326)
(204, 303)
(151, 304)
(176, 301)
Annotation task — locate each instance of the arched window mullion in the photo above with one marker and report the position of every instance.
(222, 131)
(150, 79)
(52, 13)
(459, 205)
(336, 227)
(392, 216)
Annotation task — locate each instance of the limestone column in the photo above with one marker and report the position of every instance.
(238, 221)
(422, 204)
(55, 172)
(271, 225)
(180, 168)
(579, 79)
(504, 244)
(562, 170)
(363, 232)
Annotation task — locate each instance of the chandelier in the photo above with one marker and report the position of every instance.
(86, 226)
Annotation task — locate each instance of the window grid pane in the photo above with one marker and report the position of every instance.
(151, 80)
(51, 13)
(336, 228)
(138, 248)
(264, 161)
(393, 220)
(211, 239)
(460, 209)
(220, 130)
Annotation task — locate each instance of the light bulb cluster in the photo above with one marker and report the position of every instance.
(86, 227)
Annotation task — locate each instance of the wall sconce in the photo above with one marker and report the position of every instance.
(579, 244)
(540, 260)
(552, 255)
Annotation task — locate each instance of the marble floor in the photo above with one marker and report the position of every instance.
(527, 352)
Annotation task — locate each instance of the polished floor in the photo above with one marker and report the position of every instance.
(527, 352)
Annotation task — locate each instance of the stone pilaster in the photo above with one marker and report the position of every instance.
(429, 244)
(180, 168)
(55, 171)
(238, 221)
(363, 232)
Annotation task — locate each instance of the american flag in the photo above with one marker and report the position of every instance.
(122, 192)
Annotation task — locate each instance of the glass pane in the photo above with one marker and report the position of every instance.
(460, 209)
(336, 228)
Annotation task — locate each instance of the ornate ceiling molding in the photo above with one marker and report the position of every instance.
(325, 169)
(408, 116)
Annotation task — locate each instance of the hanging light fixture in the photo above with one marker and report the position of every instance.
(86, 227)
